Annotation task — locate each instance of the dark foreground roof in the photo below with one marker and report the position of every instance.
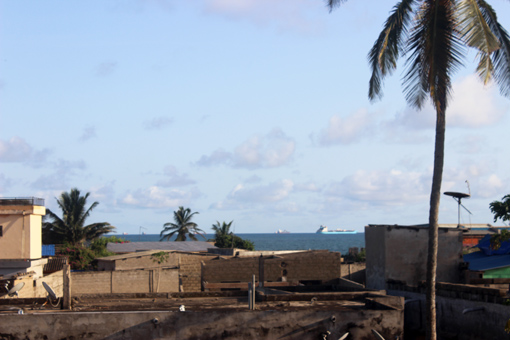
(189, 246)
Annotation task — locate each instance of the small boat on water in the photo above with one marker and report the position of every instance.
(282, 232)
(324, 230)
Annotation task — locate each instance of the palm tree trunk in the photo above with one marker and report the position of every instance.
(435, 196)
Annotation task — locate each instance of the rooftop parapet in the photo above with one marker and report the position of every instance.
(21, 201)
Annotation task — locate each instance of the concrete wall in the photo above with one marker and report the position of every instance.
(354, 271)
(126, 281)
(323, 266)
(21, 231)
(400, 253)
(140, 260)
(34, 288)
(223, 324)
(482, 319)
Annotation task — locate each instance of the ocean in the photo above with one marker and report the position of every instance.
(292, 241)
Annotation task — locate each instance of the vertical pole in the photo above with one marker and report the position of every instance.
(250, 303)
(253, 291)
(66, 287)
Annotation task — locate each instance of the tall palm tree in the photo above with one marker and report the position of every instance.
(183, 226)
(222, 229)
(71, 227)
(432, 34)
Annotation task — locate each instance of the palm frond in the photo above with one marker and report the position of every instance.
(334, 3)
(477, 34)
(501, 57)
(435, 54)
(386, 50)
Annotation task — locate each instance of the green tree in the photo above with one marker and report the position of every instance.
(432, 35)
(222, 229)
(182, 226)
(224, 238)
(501, 209)
(71, 227)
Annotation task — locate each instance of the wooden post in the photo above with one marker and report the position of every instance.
(253, 292)
(250, 303)
(66, 304)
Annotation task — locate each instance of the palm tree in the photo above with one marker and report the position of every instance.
(183, 226)
(222, 229)
(432, 35)
(71, 227)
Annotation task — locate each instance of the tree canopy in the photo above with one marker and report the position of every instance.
(501, 209)
(183, 226)
(71, 227)
(224, 238)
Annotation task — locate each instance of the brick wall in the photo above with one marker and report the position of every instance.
(321, 266)
(190, 270)
(125, 281)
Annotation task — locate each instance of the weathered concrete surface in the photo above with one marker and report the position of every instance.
(282, 324)
(482, 320)
(399, 253)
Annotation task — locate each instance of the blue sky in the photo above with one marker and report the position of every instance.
(254, 111)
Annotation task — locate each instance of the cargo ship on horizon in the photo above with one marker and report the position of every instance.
(324, 230)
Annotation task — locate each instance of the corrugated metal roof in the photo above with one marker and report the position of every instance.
(190, 246)
(478, 261)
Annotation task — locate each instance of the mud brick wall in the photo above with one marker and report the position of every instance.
(146, 261)
(231, 270)
(322, 266)
(190, 270)
(126, 281)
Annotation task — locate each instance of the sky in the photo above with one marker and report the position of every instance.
(251, 111)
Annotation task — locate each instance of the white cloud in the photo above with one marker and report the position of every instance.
(106, 68)
(381, 187)
(174, 178)
(88, 133)
(158, 123)
(472, 105)
(156, 197)
(17, 150)
(243, 195)
(270, 151)
(347, 130)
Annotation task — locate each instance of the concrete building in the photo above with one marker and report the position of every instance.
(399, 253)
(20, 236)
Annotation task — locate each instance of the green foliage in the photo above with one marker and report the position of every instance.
(361, 256)
(160, 257)
(497, 239)
(233, 241)
(71, 227)
(501, 210)
(80, 257)
(182, 226)
(98, 246)
(224, 238)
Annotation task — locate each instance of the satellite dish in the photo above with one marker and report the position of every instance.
(50, 291)
(14, 290)
(458, 196)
